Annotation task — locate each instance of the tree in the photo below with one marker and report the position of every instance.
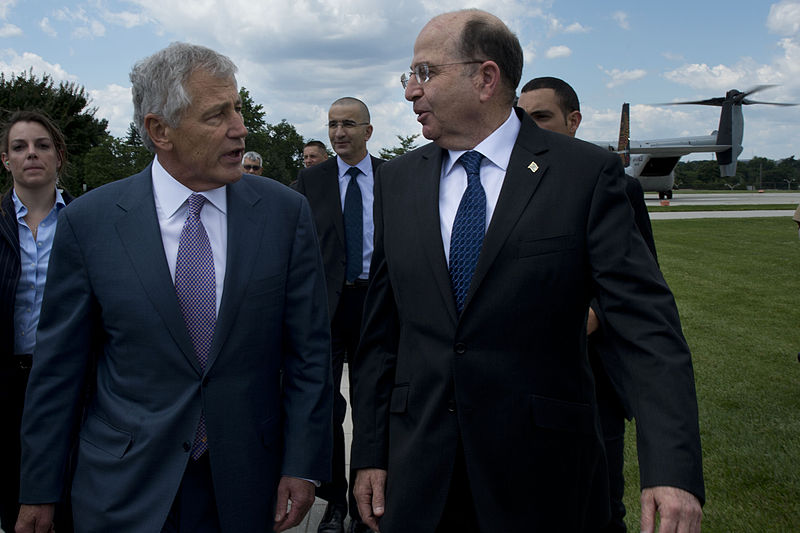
(406, 145)
(114, 159)
(67, 104)
(252, 113)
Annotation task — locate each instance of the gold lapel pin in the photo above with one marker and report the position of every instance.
(533, 166)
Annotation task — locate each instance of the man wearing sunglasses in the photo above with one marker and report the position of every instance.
(251, 163)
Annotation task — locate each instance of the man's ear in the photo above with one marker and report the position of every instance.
(573, 121)
(159, 131)
(368, 132)
(489, 81)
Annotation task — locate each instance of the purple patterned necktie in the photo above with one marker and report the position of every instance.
(195, 286)
(468, 229)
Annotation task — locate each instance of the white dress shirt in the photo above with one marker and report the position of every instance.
(365, 183)
(496, 150)
(171, 207)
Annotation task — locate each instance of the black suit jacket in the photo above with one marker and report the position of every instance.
(10, 269)
(509, 378)
(320, 185)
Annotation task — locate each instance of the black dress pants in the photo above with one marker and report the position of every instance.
(194, 509)
(345, 335)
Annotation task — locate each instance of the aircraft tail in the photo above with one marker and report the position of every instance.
(730, 132)
(624, 145)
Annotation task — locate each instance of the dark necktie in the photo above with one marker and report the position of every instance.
(353, 227)
(195, 286)
(468, 229)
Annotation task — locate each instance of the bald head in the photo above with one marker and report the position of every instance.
(476, 34)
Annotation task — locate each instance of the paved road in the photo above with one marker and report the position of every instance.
(679, 198)
(702, 200)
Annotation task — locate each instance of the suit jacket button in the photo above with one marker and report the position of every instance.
(187, 446)
(451, 406)
(461, 348)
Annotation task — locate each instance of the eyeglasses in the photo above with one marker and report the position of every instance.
(346, 124)
(251, 168)
(423, 72)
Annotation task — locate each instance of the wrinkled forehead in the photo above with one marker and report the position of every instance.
(438, 40)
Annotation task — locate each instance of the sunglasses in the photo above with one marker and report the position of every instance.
(251, 168)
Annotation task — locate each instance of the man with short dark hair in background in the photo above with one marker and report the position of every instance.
(314, 152)
(339, 191)
(474, 404)
(252, 163)
(553, 104)
(203, 293)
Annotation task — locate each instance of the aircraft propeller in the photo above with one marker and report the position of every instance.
(733, 96)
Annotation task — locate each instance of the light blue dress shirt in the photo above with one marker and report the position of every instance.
(34, 255)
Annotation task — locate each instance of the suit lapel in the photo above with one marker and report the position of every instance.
(246, 225)
(330, 191)
(8, 224)
(428, 173)
(526, 167)
(140, 235)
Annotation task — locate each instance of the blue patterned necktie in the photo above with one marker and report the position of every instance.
(196, 288)
(468, 229)
(353, 227)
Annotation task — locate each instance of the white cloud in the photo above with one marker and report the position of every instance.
(10, 30)
(558, 51)
(702, 76)
(126, 19)
(114, 104)
(47, 28)
(622, 20)
(619, 77)
(784, 18)
(85, 26)
(13, 62)
(556, 26)
(5, 5)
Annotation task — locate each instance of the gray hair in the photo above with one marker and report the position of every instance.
(159, 82)
(255, 156)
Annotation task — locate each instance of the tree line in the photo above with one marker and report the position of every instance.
(757, 173)
(97, 157)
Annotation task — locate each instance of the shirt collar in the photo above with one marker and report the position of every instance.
(365, 166)
(496, 147)
(21, 210)
(171, 194)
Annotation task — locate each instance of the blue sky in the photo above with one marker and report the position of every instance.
(297, 57)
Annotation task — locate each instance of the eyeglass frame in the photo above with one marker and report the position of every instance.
(346, 124)
(422, 72)
(251, 167)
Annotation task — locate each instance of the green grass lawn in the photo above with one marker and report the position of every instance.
(737, 288)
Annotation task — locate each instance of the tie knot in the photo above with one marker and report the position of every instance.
(354, 172)
(196, 202)
(471, 161)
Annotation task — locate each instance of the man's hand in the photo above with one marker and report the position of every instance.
(36, 518)
(295, 497)
(592, 323)
(368, 491)
(680, 511)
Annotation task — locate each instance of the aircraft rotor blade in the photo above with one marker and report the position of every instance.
(709, 101)
(749, 102)
(756, 89)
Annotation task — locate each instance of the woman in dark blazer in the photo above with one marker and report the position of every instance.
(34, 152)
